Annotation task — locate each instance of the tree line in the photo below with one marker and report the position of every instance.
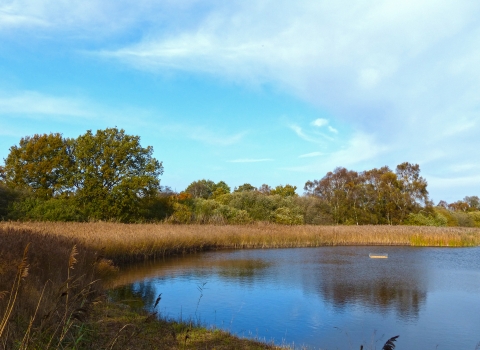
(109, 176)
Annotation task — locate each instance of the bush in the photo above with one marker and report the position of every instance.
(463, 219)
(54, 209)
(315, 211)
(181, 214)
(419, 219)
(286, 216)
(475, 216)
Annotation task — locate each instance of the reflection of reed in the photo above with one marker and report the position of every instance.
(236, 269)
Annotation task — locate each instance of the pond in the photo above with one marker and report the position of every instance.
(322, 298)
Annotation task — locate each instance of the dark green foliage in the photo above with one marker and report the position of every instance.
(113, 174)
(101, 176)
(53, 209)
(264, 208)
(315, 210)
(8, 197)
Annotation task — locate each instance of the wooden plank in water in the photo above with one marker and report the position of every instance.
(378, 255)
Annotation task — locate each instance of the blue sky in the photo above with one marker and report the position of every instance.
(260, 91)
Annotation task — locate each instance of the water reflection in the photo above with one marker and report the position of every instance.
(342, 278)
(302, 295)
(351, 278)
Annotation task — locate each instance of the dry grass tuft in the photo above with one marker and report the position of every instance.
(46, 301)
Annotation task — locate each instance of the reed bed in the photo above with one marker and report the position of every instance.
(129, 242)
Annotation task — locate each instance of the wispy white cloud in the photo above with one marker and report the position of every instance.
(300, 133)
(312, 154)
(207, 136)
(361, 150)
(37, 106)
(332, 129)
(35, 103)
(320, 122)
(250, 160)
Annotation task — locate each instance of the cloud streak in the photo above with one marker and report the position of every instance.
(311, 154)
(250, 160)
(35, 103)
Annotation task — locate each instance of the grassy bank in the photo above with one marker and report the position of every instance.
(50, 276)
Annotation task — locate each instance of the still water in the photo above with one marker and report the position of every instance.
(324, 298)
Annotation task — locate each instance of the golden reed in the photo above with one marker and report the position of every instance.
(127, 242)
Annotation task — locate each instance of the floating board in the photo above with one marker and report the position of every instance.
(378, 255)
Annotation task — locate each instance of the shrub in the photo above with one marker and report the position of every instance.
(54, 209)
(286, 216)
(419, 219)
(181, 214)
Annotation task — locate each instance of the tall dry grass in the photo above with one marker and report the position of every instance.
(128, 242)
(47, 284)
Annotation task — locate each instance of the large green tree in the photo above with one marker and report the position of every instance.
(113, 174)
(107, 175)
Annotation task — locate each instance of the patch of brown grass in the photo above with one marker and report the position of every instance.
(128, 242)
(47, 285)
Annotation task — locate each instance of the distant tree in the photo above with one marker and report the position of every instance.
(246, 187)
(459, 206)
(221, 188)
(42, 164)
(336, 189)
(376, 196)
(207, 189)
(284, 191)
(201, 189)
(473, 202)
(265, 189)
(442, 204)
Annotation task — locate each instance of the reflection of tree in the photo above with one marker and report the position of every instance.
(138, 295)
(381, 286)
(244, 271)
(380, 295)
